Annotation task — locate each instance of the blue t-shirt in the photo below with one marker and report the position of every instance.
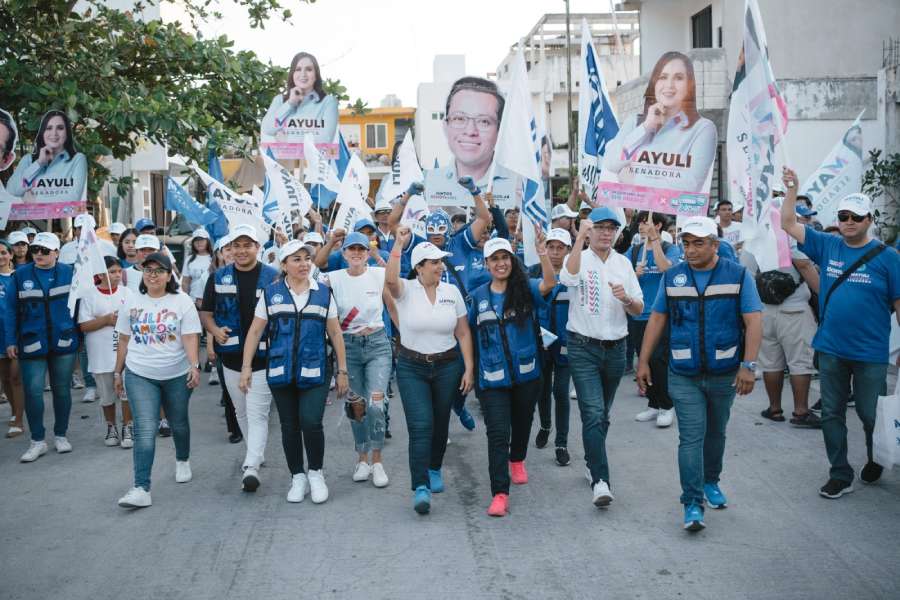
(336, 261)
(649, 281)
(857, 324)
(750, 301)
(467, 260)
(406, 254)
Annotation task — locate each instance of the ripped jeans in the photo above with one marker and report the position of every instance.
(369, 365)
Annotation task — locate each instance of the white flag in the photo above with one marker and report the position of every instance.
(237, 208)
(410, 171)
(319, 170)
(354, 188)
(88, 263)
(290, 194)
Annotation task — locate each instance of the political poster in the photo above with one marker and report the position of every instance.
(9, 135)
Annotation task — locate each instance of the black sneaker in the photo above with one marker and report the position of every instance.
(817, 407)
(164, 429)
(562, 457)
(542, 437)
(871, 472)
(835, 488)
(235, 438)
(387, 434)
(807, 421)
(851, 403)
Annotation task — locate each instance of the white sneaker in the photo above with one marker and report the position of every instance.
(573, 394)
(379, 477)
(112, 435)
(77, 382)
(183, 471)
(602, 495)
(135, 498)
(127, 436)
(646, 415)
(214, 377)
(250, 481)
(318, 491)
(362, 471)
(90, 394)
(299, 488)
(34, 452)
(665, 417)
(62, 445)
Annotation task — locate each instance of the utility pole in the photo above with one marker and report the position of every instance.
(569, 96)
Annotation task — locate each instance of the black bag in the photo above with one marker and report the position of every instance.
(775, 287)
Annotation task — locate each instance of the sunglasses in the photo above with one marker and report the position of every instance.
(40, 250)
(845, 216)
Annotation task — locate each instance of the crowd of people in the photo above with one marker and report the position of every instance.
(456, 311)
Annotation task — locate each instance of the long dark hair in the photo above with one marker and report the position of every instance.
(120, 251)
(518, 304)
(69, 145)
(317, 86)
(193, 252)
(171, 284)
(689, 105)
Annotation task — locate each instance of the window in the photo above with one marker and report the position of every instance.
(376, 135)
(701, 29)
(720, 36)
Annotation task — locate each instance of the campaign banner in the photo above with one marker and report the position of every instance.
(237, 208)
(9, 135)
(291, 195)
(839, 175)
(442, 189)
(301, 108)
(662, 158)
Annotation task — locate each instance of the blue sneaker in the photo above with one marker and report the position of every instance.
(714, 495)
(436, 481)
(466, 418)
(693, 517)
(422, 500)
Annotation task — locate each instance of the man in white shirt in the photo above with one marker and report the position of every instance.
(68, 254)
(602, 289)
(731, 229)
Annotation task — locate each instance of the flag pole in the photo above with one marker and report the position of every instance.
(569, 94)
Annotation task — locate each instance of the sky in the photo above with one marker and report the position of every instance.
(380, 47)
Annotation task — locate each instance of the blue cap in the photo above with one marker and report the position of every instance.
(364, 223)
(805, 212)
(143, 224)
(356, 239)
(603, 213)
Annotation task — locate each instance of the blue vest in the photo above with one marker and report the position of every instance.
(296, 336)
(45, 325)
(228, 312)
(507, 351)
(554, 316)
(706, 332)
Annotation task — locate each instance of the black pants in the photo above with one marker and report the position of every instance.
(508, 413)
(300, 412)
(658, 393)
(230, 418)
(556, 391)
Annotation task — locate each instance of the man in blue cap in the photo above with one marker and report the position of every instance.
(145, 226)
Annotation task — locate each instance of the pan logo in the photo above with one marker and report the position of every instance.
(680, 280)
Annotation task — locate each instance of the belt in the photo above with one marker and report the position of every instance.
(589, 340)
(440, 357)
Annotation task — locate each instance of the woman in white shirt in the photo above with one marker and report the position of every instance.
(97, 318)
(431, 368)
(196, 267)
(159, 334)
(10, 377)
(360, 296)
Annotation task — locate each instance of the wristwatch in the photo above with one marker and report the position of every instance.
(750, 365)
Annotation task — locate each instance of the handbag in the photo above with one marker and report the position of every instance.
(886, 435)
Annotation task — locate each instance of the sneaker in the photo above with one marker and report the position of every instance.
(77, 382)
(851, 403)
(422, 500)
(318, 491)
(90, 394)
(34, 452)
(214, 377)
(714, 496)
(235, 438)
(299, 488)
(183, 471)
(835, 488)
(435, 481)
(112, 435)
(817, 407)
(871, 472)
(387, 434)
(499, 506)
(14, 431)
(362, 471)
(517, 472)
(164, 429)
(646, 415)
(250, 481)
(562, 457)
(62, 445)
(379, 477)
(127, 436)
(135, 498)
(573, 395)
(602, 496)
(466, 418)
(543, 436)
(665, 417)
(806, 421)
(693, 517)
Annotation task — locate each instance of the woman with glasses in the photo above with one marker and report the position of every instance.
(9, 367)
(158, 364)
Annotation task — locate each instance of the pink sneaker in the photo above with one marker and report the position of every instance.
(517, 472)
(499, 506)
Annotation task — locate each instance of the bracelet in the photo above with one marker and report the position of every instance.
(341, 372)
(656, 239)
(396, 254)
(119, 375)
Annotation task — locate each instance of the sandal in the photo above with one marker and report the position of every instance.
(773, 415)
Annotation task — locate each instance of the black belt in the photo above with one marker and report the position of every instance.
(440, 357)
(589, 340)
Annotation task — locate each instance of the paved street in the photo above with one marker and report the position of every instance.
(63, 536)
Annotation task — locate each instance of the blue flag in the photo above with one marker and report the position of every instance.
(322, 196)
(179, 200)
(597, 123)
(219, 227)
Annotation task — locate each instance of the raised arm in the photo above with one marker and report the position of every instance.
(482, 214)
(335, 239)
(414, 189)
(789, 207)
(392, 281)
(548, 275)
(573, 262)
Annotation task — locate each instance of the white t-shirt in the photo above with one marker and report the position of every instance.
(732, 234)
(132, 278)
(362, 294)
(198, 271)
(593, 310)
(155, 349)
(102, 344)
(300, 301)
(425, 327)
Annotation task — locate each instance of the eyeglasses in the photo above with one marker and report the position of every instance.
(844, 216)
(155, 272)
(461, 121)
(40, 250)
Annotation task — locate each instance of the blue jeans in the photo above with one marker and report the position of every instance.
(146, 396)
(596, 370)
(83, 362)
(703, 405)
(34, 372)
(369, 364)
(556, 390)
(836, 377)
(427, 391)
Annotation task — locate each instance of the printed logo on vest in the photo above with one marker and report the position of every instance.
(680, 279)
(482, 306)
(28, 285)
(227, 280)
(277, 298)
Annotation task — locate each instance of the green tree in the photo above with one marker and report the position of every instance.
(359, 108)
(883, 179)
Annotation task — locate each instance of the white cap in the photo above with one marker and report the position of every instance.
(29, 231)
(45, 239)
(292, 247)
(426, 251)
(562, 210)
(667, 237)
(858, 204)
(585, 206)
(116, 229)
(700, 227)
(17, 237)
(200, 232)
(223, 241)
(85, 220)
(244, 230)
(383, 204)
(495, 245)
(560, 235)
(313, 237)
(146, 241)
